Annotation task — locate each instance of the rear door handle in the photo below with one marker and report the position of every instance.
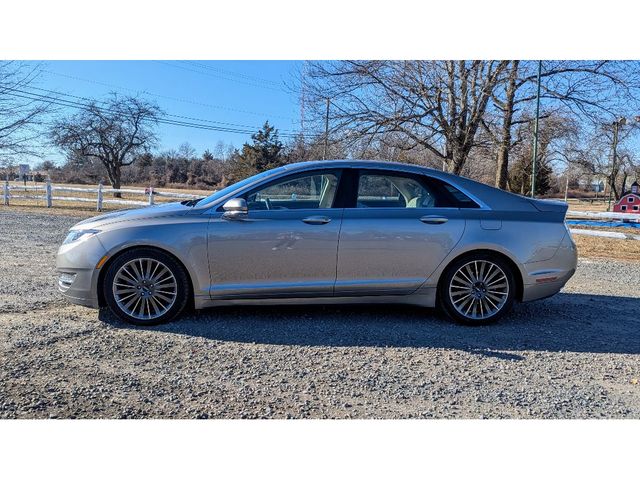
(433, 219)
(316, 220)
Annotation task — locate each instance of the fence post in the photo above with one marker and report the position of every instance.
(6, 192)
(99, 205)
(48, 193)
(150, 195)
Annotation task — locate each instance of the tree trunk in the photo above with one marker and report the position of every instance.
(113, 171)
(458, 159)
(502, 171)
(612, 184)
(116, 185)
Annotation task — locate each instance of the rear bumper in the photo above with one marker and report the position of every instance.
(544, 279)
(544, 290)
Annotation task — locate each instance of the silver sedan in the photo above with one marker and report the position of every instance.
(324, 232)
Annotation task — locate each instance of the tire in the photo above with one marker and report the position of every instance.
(477, 297)
(146, 287)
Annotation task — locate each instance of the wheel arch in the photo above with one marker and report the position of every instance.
(114, 256)
(517, 273)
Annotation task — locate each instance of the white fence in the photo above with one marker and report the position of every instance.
(49, 194)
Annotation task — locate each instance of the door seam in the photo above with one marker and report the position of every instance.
(335, 280)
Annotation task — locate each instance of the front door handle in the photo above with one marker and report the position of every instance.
(433, 219)
(316, 220)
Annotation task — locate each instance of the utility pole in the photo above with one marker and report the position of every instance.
(326, 131)
(535, 135)
(303, 97)
(614, 155)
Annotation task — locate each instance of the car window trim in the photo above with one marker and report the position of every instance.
(423, 179)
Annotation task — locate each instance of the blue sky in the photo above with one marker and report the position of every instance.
(237, 92)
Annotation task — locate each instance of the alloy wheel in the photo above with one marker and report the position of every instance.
(145, 288)
(479, 290)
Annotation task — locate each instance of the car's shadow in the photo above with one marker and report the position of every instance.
(567, 322)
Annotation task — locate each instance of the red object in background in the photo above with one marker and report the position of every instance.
(629, 202)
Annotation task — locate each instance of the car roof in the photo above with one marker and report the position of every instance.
(382, 164)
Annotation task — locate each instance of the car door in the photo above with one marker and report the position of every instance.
(396, 230)
(285, 246)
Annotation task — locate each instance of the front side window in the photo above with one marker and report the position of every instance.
(316, 190)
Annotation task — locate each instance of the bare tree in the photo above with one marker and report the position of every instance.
(436, 105)
(115, 132)
(21, 114)
(596, 156)
(588, 90)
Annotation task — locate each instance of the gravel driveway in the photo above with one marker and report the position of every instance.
(576, 355)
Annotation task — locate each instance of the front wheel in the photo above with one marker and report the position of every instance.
(146, 287)
(477, 289)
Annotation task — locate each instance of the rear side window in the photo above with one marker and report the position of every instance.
(461, 199)
(397, 190)
(393, 191)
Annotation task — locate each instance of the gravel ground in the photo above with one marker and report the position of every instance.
(572, 356)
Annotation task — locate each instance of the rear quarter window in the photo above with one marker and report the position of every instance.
(455, 196)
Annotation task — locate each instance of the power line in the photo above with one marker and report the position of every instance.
(166, 97)
(71, 104)
(57, 92)
(162, 120)
(228, 72)
(222, 77)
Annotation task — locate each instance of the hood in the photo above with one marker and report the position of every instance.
(156, 211)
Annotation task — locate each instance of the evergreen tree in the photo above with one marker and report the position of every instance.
(520, 176)
(265, 152)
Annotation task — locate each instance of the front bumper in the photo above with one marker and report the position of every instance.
(77, 274)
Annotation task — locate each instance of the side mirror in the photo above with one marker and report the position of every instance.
(234, 208)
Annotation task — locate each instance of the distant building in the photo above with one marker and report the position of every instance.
(630, 201)
(597, 186)
(593, 185)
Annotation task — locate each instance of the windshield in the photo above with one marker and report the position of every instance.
(227, 190)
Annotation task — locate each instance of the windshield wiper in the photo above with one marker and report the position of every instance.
(191, 203)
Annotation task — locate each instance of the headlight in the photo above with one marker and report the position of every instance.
(75, 235)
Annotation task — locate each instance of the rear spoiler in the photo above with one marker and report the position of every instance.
(551, 206)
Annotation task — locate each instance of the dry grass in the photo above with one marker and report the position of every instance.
(588, 205)
(599, 247)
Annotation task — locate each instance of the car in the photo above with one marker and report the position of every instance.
(335, 231)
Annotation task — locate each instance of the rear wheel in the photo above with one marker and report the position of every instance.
(478, 289)
(146, 287)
